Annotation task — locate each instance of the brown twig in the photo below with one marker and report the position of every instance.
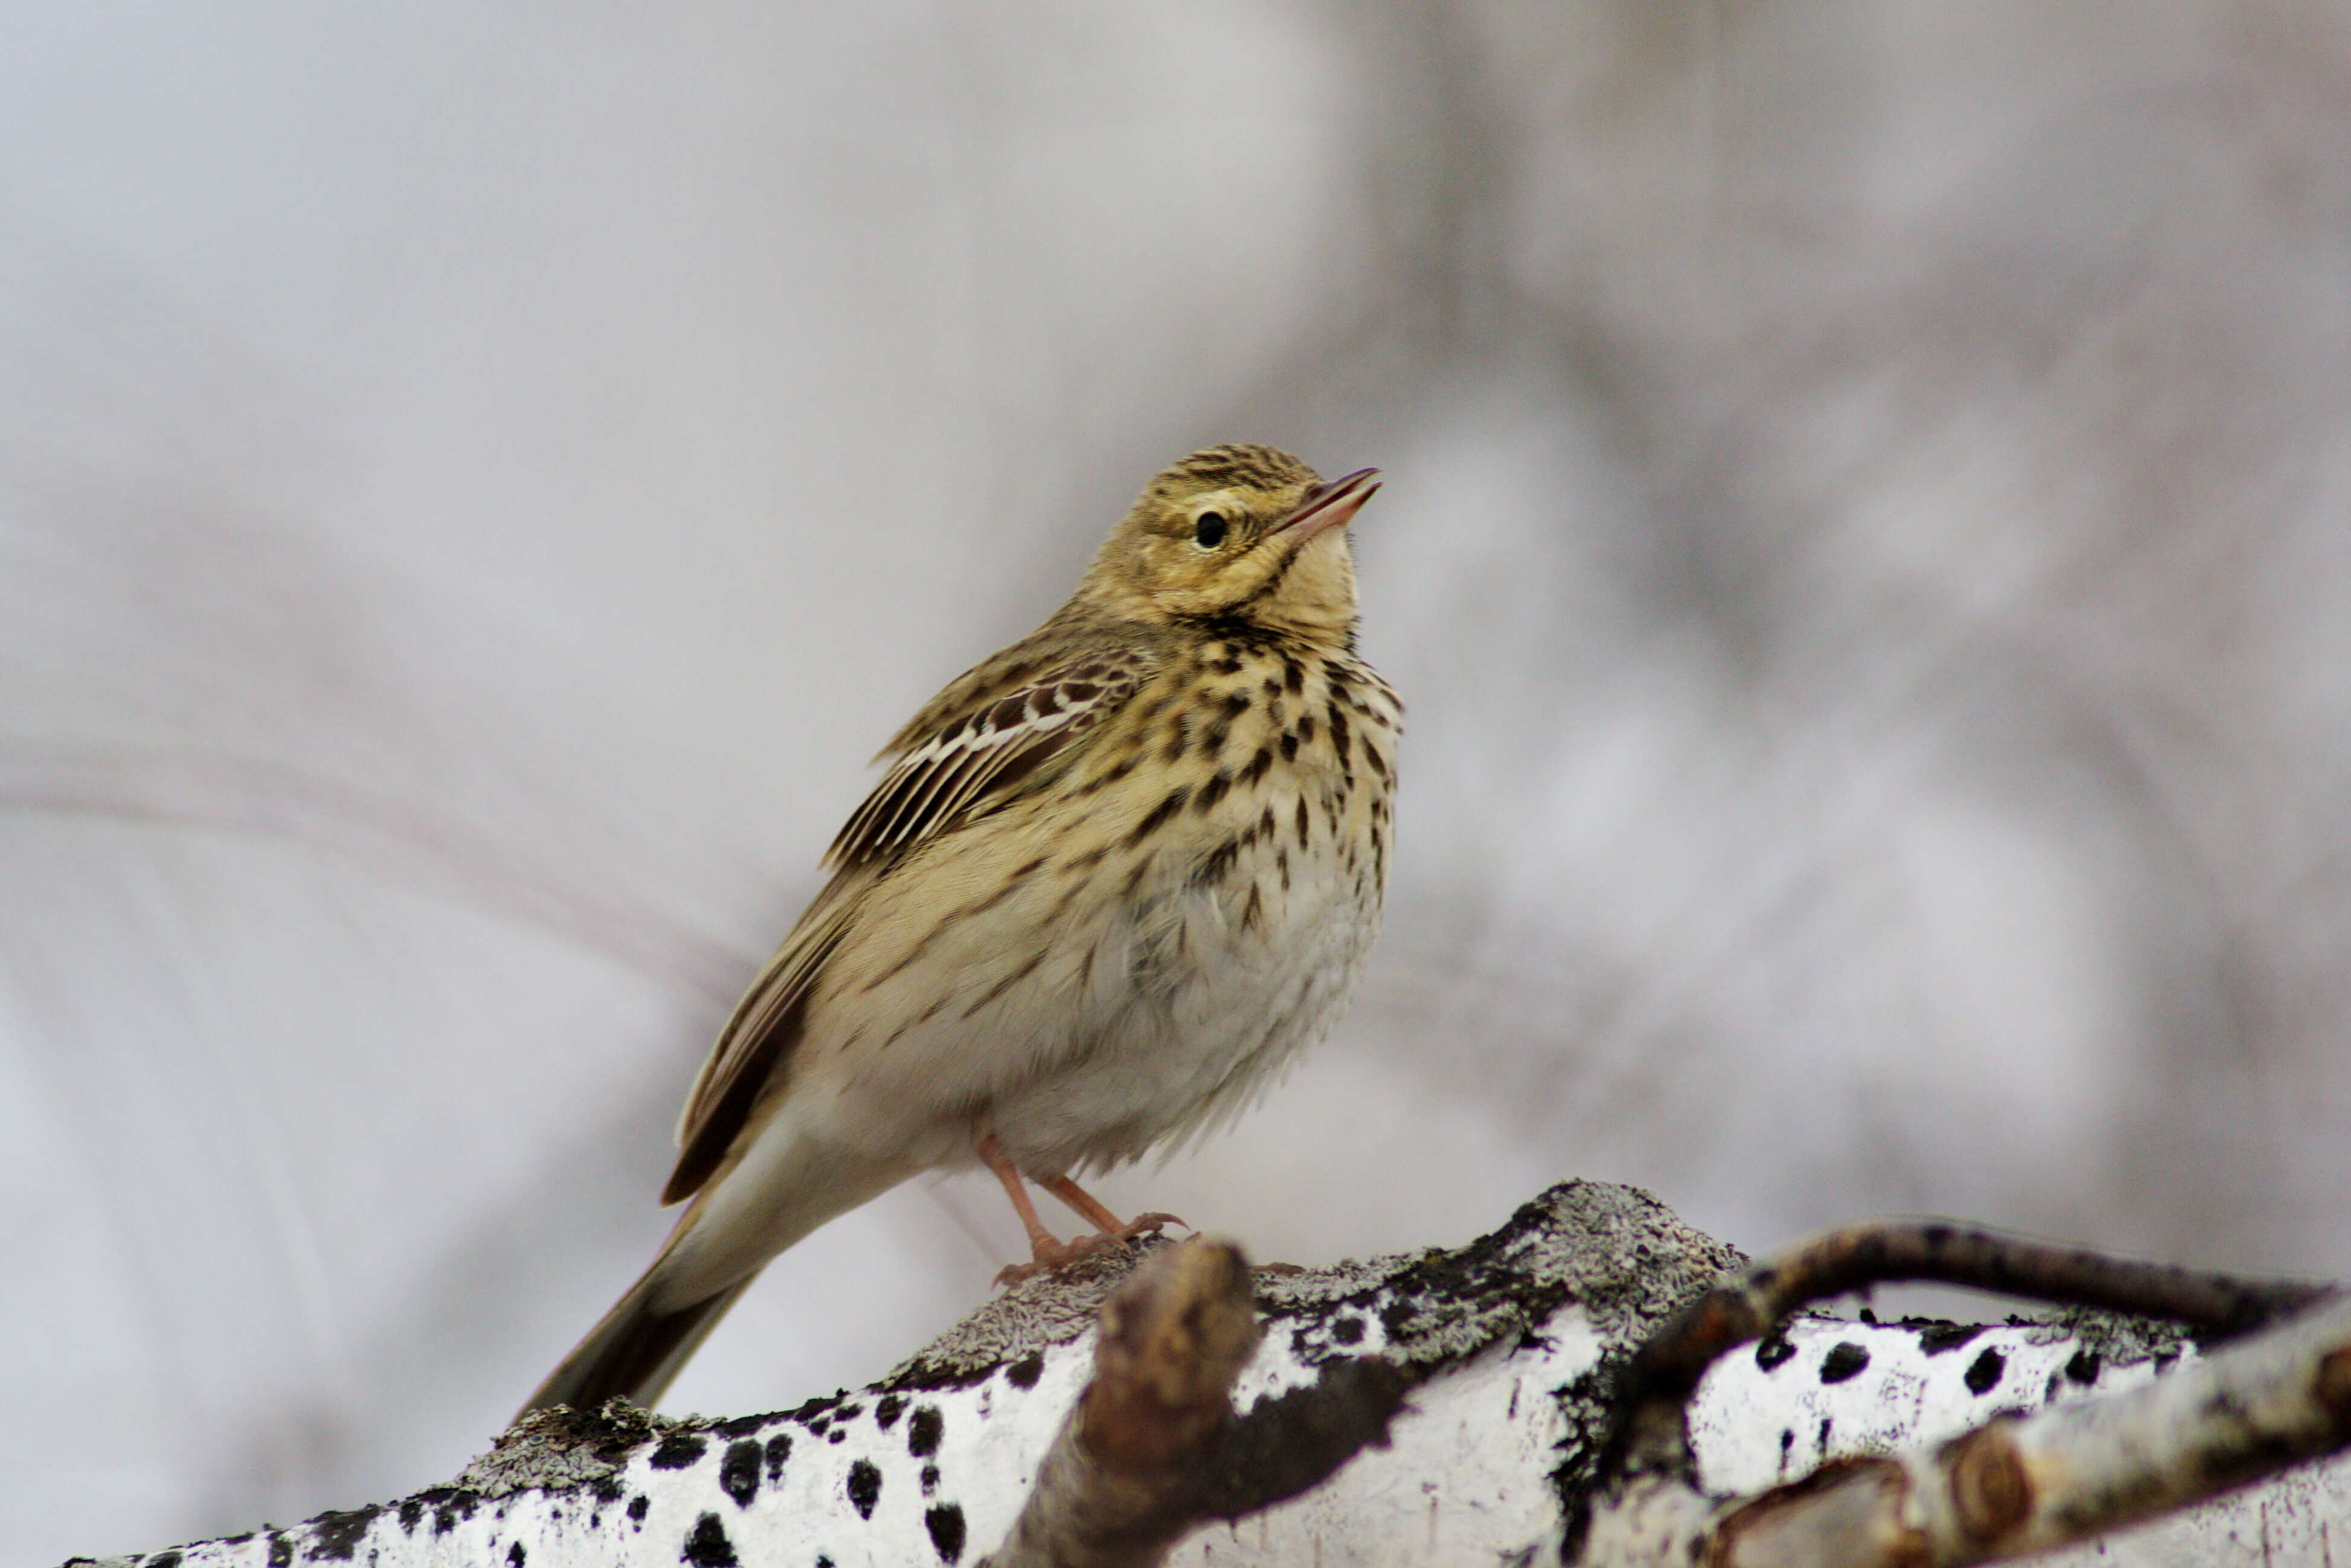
(2017, 1484)
(2068, 1473)
(1152, 1448)
(1883, 1253)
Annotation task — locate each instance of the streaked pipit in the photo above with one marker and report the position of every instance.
(1115, 879)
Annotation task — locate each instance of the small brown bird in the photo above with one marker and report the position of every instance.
(1116, 878)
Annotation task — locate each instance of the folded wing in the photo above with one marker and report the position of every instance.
(947, 774)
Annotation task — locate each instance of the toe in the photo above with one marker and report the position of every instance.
(1147, 1225)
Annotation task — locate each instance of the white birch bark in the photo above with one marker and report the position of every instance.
(1514, 1338)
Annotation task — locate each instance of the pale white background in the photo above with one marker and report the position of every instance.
(1868, 552)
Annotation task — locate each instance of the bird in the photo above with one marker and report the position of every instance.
(1113, 880)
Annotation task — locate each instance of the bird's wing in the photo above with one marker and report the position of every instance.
(765, 1027)
(983, 737)
(968, 762)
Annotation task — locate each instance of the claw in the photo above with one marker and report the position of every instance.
(1049, 1252)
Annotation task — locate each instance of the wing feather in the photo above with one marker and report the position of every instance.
(765, 1025)
(938, 781)
(949, 770)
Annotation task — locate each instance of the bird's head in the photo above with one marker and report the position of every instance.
(1235, 533)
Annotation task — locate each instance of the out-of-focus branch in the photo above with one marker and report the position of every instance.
(2016, 1484)
(1118, 1486)
(2021, 1484)
(1153, 1449)
(1881, 1253)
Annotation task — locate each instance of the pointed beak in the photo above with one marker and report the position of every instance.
(1329, 505)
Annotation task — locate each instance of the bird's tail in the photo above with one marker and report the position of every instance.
(781, 1187)
(636, 1349)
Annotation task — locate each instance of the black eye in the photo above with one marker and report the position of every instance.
(1209, 531)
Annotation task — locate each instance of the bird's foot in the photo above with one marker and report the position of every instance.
(1052, 1254)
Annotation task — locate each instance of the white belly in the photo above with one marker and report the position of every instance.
(1204, 1017)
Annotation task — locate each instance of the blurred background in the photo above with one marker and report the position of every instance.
(1867, 550)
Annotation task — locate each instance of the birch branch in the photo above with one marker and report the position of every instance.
(1515, 1349)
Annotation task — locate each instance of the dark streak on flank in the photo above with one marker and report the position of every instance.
(1028, 966)
(952, 919)
(1078, 884)
(1124, 766)
(1159, 815)
(1213, 866)
(1135, 876)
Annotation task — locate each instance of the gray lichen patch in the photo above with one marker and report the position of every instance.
(1048, 1309)
(558, 1450)
(1616, 1250)
(2118, 1340)
(1617, 1254)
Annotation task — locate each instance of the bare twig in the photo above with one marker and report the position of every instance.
(2064, 1475)
(2014, 1485)
(1882, 1253)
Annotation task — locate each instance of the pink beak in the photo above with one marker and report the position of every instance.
(1329, 505)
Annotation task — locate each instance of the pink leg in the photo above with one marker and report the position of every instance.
(1048, 1252)
(1099, 1214)
(1041, 1241)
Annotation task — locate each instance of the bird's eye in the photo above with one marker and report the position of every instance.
(1208, 532)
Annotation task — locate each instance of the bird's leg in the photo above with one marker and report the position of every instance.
(1102, 1219)
(1049, 1252)
(1041, 1242)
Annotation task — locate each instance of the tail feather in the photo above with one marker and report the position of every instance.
(772, 1189)
(635, 1352)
